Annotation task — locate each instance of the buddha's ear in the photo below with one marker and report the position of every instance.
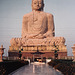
(43, 4)
(42, 7)
(32, 6)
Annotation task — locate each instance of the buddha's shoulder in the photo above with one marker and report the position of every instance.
(31, 13)
(28, 14)
(49, 15)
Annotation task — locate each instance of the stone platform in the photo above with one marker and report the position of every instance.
(47, 54)
(48, 50)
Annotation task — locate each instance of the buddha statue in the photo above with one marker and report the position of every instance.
(37, 24)
(37, 28)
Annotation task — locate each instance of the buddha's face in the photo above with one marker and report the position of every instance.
(37, 4)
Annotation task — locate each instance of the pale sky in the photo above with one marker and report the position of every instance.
(12, 11)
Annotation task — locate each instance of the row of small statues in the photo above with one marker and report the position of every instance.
(39, 47)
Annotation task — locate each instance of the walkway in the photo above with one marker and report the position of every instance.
(36, 69)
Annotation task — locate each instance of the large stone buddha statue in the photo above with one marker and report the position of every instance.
(37, 28)
(37, 24)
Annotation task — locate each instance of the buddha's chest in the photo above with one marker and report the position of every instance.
(37, 21)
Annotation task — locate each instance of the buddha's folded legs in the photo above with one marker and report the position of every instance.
(45, 41)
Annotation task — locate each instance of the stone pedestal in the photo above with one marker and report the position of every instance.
(1, 53)
(73, 51)
(27, 54)
(27, 50)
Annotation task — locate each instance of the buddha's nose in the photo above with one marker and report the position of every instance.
(37, 4)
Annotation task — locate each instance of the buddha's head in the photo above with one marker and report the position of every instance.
(38, 5)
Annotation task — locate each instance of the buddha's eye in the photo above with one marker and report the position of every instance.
(39, 2)
(34, 2)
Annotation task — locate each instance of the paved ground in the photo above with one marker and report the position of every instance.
(36, 69)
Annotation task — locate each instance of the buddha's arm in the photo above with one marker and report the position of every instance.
(51, 28)
(24, 26)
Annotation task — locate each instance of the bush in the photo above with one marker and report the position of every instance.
(67, 67)
(7, 67)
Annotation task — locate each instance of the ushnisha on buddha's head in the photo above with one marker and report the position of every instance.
(37, 5)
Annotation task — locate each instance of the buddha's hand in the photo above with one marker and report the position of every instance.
(48, 34)
(34, 36)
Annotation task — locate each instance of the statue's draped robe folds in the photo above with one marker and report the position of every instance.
(37, 25)
(37, 29)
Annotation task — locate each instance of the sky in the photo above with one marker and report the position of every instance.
(11, 15)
